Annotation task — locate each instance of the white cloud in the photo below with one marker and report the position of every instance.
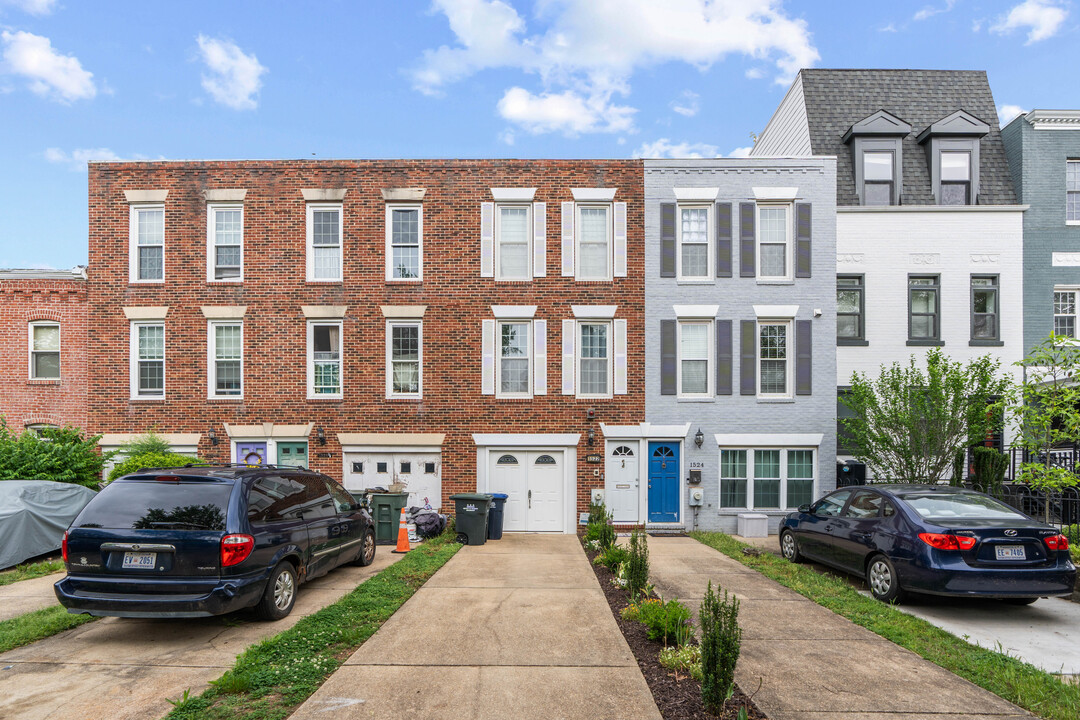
(235, 77)
(688, 105)
(507, 137)
(890, 28)
(741, 152)
(664, 148)
(77, 159)
(33, 7)
(591, 48)
(755, 73)
(567, 112)
(1043, 18)
(1007, 112)
(931, 10)
(50, 74)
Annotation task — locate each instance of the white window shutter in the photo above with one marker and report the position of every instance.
(568, 239)
(540, 357)
(539, 239)
(487, 239)
(487, 373)
(620, 240)
(620, 357)
(568, 327)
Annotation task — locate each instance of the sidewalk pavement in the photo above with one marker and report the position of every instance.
(813, 664)
(27, 595)
(515, 628)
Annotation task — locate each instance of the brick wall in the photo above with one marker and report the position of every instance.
(274, 289)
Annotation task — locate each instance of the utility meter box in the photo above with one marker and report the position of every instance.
(598, 495)
(697, 497)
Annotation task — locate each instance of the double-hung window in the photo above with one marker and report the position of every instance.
(774, 359)
(514, 367)
(225, 233)
(1072, 192)
(405, 242)
(694, 245)
(774, 242)
(1065, 313)
(984, 308)
(147, 247)
(766, 478)
(955, 177)
(513, 250)
(226, 359)
(324, 240)
(594, 359)
(593, 241)
(695, 344)
(324, 360)
(850, 304)
(44, 351)
(877, 178)
(404, 359)
(148, 360)
(924, 314)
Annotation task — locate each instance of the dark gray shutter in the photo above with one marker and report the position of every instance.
(723, 240)
(667, 239)
(746, 240)
(804, 354)
(748, 358)
(802, 240)
(723, 357)
(668, 375)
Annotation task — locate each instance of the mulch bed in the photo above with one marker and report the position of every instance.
(677, 696)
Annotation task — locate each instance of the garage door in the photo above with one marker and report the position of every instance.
(420, 471)
(533, 480)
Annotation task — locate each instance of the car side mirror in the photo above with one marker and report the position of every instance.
(805, 509)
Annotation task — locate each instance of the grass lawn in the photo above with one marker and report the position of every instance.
(1016, 681)
(271, 679)
(30, 571)
(34, 626)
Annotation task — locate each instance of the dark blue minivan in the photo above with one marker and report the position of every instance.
(208, 540)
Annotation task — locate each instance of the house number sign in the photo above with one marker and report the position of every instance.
(697, 466)
(593, 458)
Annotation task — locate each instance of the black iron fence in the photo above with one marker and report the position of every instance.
(1060, 508)
(1063, 457)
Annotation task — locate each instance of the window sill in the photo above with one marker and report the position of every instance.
(404, 281)
(325, 398)
(695, 399)
(512, 398)
(1072, 222)
(695, 281)
(593, 280)
(413, 398)
(851, 342)
(230, 281)
(986, 343)
(146, 399)
(230, 399)
(926, 343)
(775, 400)
(514, 281)
(775, 282)
(43, 381)
(324, 282)
(146, 282)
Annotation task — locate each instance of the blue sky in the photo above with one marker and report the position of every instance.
(451, 78)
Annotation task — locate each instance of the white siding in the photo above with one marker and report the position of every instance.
(788, 132)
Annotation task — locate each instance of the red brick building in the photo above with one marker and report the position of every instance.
(43, 336)
(454, 325)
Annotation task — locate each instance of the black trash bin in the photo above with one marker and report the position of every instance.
(495, 516)
(471, 517)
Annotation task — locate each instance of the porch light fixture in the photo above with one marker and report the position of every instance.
(699, 438)
(212, 436)
(320, 435)
(591, 436)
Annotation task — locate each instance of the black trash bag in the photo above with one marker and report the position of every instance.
(430, 524)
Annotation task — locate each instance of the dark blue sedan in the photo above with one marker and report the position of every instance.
(931, 539)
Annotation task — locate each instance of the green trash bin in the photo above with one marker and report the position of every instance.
(471, 516)
(386, 513)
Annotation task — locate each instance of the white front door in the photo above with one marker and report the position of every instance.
(621, 484)
(533, 482)
(545, 492)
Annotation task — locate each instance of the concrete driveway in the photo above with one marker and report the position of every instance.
(123, 669)
(25, 596)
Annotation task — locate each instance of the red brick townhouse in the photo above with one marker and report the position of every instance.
(43, 346)
(454, 325)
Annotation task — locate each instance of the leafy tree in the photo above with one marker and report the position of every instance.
(910, 422)
(149, 460)
(59, 454)
(151, 442)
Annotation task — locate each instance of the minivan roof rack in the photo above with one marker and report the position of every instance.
(245, 466)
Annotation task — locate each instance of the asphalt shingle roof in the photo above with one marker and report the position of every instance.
(837, 99)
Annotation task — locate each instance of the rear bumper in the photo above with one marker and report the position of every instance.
(109, 597)
(960, 579)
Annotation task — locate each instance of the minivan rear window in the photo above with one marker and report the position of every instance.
(960, 506)
(158, 505)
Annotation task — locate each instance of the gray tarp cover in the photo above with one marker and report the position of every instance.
(34, 515)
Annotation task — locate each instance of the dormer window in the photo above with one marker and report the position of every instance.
(878, 178)
(955, 178)
(952, 149)
(877, 156)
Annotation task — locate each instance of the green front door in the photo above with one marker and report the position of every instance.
(292, 453)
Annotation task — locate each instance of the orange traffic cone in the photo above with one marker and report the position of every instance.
(402, 535)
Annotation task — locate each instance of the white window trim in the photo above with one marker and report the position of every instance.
(750, 474)
(710, 360)
(390, 394)
(310, 241)
(1068, 162)
(610, 209)
(528, 241)
(211, 238)
(789, 369)
(789, 244)
(30, 349)
(310, 352)
(1075, 290)
(610, 358)
(211, 360)
(710, 262)
(133, 242)
(506, 320)
(133, 361)
(390, 208)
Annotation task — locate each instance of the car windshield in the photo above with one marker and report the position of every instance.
(950, 507)
(158, 505)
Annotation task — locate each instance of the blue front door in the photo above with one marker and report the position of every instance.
(663, 482)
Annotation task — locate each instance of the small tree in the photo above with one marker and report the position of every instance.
(150, 460)
(151, 442)
(910, 422)
(59, 454)
(721, 640)
(637, 565)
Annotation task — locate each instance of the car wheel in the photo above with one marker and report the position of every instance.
(789, 547)
(280, 594)
(367, 550)
(1020, 601)
(883, 581)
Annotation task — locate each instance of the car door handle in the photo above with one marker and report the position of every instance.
(860, 536)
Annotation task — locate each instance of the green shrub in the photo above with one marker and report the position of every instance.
(151, 442)
(597, 513)
(58, 454)
(990, 466)
(613, 557)
(721, 639)
(637, 564)
(958, 463)
(683, 657)
(150, 460)
(599, 533)
(668, 621)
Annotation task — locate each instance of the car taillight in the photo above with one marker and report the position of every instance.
(63, 546)
(1057, 542)
(235, 549)
(943, 541)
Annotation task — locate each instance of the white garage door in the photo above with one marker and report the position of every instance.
(534, 482)
(420, 471)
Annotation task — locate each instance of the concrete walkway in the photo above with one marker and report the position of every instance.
(517, 628)
(812, 663)
(125, 669)
(26, 596)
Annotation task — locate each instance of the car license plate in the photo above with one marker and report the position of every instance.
(1010, 552)
(139, 560)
